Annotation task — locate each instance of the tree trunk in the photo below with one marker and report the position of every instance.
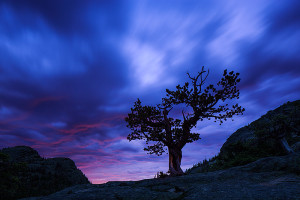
(286, 146)
(175, 155)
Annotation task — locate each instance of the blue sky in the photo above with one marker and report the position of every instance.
(71, 70)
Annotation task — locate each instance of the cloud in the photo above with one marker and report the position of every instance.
(71, 70)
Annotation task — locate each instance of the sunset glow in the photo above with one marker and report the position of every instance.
(71, 70)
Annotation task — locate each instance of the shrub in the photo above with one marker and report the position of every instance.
(161, 175)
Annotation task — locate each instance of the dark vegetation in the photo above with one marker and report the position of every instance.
(161, 174)
(262, 138)
(24, 173)
(201, 101)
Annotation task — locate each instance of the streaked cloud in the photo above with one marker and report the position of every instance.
(69, 72)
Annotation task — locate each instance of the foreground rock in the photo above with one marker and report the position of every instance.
(267, 178)
(25, 173)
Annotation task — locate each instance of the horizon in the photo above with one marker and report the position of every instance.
(70, 72)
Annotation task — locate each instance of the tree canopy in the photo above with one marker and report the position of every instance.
(153, 124)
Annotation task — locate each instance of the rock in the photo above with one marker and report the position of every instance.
(288, 163)
(31, 175)
(244, 147)
(244, 141)
(22, 154)
(267, 178)
(296, 147)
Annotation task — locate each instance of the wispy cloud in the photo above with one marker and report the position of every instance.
(69, 72)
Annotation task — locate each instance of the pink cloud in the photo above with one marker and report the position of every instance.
(39, 101)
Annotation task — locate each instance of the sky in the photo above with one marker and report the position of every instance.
(71, 70)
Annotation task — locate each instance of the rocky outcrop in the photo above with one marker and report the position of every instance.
(244, 146)
(244, 142)
(25, 173)
(22, 154)
(267, 178)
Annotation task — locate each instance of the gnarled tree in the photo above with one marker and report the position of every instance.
(153, 124)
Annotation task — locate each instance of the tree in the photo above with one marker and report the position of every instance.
(153, 124)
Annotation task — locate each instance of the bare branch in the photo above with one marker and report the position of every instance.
(183, 115)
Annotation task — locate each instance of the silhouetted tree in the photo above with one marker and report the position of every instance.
(152, 123)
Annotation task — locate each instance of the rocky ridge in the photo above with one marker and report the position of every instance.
(244, 146)
(267, 178)
(25, 173)
(245, 143)
(230, 175)
(246, 134)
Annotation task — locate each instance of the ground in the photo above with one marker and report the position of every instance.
(267, 178)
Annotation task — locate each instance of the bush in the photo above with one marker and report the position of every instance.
(161, 175)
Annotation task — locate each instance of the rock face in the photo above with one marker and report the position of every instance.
(244, 146)
(24, 173)
(267, 178)
(244, 143)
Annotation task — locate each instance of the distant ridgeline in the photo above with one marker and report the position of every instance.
(262, 138)
(25, 174)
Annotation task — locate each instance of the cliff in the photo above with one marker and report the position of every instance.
(25, 173)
